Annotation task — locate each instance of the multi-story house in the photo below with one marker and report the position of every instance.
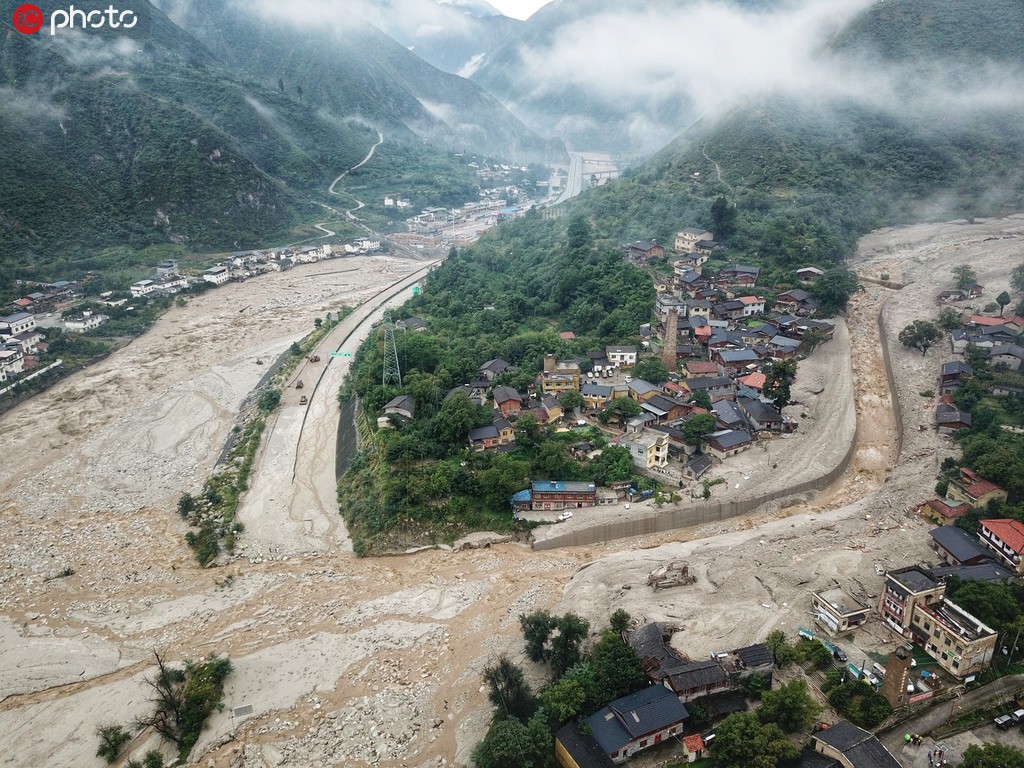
(904, 589)
(1005, 538)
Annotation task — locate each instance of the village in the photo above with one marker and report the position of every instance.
(826, 561)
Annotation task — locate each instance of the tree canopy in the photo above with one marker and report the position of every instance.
(741, 741)
(920, 335)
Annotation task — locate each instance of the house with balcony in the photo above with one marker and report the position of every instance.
(556, 495)
(970, 488)
(19, 322)
(687, 239)
(87, 321)
(1005, 539)
(559, 376)
(961, 643)
(904, 589)
(647, 447)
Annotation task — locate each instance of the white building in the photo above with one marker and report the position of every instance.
(12, 361)
(142, 288)
(217, 275)
(621, 357)
(86, 321)
(12, 325)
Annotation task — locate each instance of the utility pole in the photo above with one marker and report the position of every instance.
(392, 372)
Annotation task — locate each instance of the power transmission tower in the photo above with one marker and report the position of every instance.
(392, 373)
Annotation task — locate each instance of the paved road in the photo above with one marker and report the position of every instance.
(291, 505)
(940, 714)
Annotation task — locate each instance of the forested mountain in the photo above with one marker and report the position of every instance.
(925, 123)
(124, 143)
(350, 68)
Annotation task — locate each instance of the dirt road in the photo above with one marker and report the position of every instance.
(350, 662)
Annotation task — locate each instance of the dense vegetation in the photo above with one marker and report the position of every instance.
(523, 723)
(494, 300)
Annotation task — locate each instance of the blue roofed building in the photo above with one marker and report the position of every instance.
(638, 721)
(553, 495)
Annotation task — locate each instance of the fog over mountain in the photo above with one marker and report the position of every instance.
(606, 75)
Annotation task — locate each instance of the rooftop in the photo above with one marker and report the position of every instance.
(1010, 532)
(562, 486)
(841, 601)
(636, 715)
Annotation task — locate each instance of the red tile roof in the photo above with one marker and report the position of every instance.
(751, 300)
(945, 510)
(693, 743)
(1010, 532)
(567, 335)
(754, 380)
(986, 320)
(980, 488)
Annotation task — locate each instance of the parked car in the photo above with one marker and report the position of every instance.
(840, 655)
(1003, 722)
(1018, 716)
(564, 516)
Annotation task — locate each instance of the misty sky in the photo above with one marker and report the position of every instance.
(518, 9)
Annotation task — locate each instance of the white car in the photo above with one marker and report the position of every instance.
(564, 516)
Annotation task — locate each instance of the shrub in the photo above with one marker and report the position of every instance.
(112, 740)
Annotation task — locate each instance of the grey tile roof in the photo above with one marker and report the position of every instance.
(631, 717)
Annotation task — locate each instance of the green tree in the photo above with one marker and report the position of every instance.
(563, 700)
(992, 755)
(565, 646)
(949, 319)
(269, 398)
(697, 426)
(153, 759)
(779, 378)
(579, 235)
(623, 408)
(570, 400)
(112, 740)
(527, 430)
(513, 744)
(1002, 300)
(920, 335)
(508, 691)
(964, 275)
(1017, 278)
(741, 741)
(723, 219)
(651, 369)
(791, 707)
(616, 665)
(537, 628)
(995, 604)
(701, 399)
(295, 349)
(614, 465)
(186, 504)
(619, 621)
(455, 418)
(834, 288)
(783, 654)
(813, 339)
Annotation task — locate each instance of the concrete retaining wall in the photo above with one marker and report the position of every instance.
(671, 519)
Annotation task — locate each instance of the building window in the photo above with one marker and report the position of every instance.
(927, 625)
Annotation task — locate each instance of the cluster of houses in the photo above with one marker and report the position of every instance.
(913, 603)
(245, 264)
(20, 345)
(659, 713)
